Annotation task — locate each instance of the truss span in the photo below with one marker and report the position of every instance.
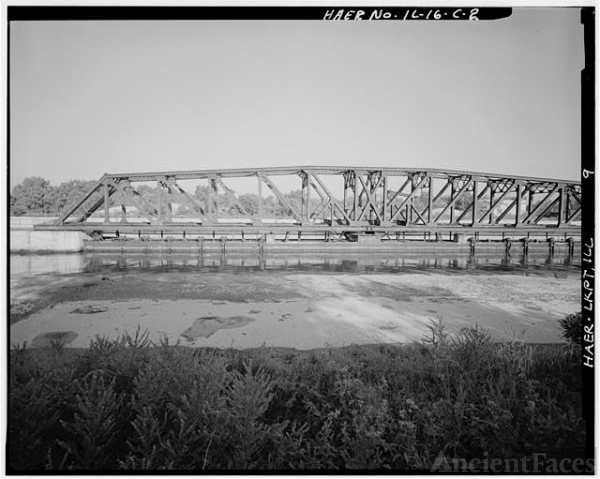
(325, 200)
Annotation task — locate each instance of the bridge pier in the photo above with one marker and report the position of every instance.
(30, 241)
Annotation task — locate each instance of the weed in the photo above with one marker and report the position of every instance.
(58, 345)
(438, 333)
(19, 348)
(572, 329)
(93, 427)
(103, 346)
(124, 405)
(140, 340)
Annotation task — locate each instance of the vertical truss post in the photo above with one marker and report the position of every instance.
(347, 190)
(345, 194)
(215, 191)
(409, 203)
(367, 212)
(308, 183)
(530, 200)
(561, 206)
(161, 200)
(169, 203)
(492, 191)
(209, 200)
(371, 189)
(260, 215)
(350, 187)
(212, 199)
(451, 199)
(125, 183)
(106, 209)
(305, 186)
(355, 217)
(305, 214)
(430, 200)
(475, 208)
(518, 205)
(384, 200)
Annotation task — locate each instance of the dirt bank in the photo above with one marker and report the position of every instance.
(281, 309)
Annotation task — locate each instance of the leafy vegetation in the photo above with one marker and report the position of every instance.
(571, 327)
(125, 405)
(36, 196)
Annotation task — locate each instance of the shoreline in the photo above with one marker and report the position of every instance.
(302, 311)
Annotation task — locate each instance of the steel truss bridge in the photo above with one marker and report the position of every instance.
(344, 201)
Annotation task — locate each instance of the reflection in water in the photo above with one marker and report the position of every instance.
(25, 265)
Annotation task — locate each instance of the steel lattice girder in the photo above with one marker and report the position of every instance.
(393, 198)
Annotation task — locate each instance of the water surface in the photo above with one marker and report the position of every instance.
(28, 265)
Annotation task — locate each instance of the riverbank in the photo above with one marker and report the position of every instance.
(124, 406)
(303, 311)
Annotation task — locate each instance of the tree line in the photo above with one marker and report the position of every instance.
(35, 196)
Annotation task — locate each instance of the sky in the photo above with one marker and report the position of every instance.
(95, 97)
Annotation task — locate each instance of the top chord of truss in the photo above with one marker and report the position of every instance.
(325, 170)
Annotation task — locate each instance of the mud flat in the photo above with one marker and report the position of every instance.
(289, 310)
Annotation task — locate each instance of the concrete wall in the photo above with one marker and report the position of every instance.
(29, 241)
(23, 239)
(27, 222)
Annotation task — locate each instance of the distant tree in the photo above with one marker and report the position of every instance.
(294, 198)
(149, 193)
(201, 195)
(269, 206)
(13, 209)
(250, 204)
(420, 203)
(223, 202)
(34, 195)
(69, 192)
(461, 203)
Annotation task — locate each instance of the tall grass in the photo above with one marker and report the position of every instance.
(124, 405)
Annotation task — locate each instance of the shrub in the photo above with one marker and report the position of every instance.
(92, 431)
(571, 329)
(126, 405)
